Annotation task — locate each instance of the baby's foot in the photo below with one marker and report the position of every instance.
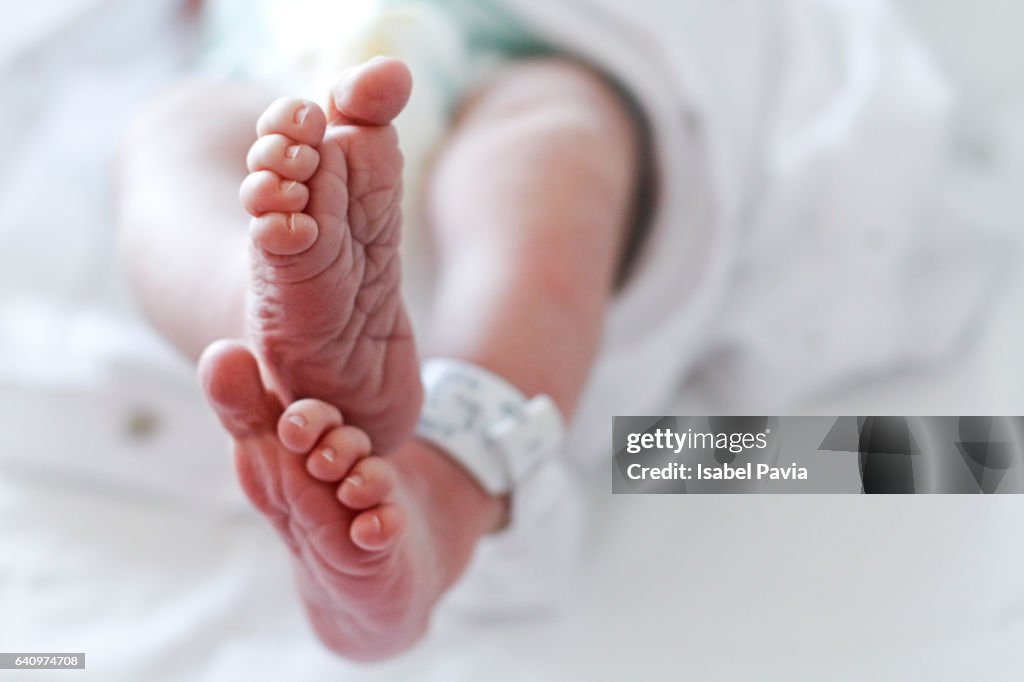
(325, 311)
(376, 540)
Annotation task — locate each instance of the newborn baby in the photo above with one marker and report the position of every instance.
(602, 219)
(323, 397)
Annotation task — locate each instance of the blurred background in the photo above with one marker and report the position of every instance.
(978, 47)
(110, 543)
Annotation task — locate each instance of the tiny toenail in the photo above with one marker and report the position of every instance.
(301, 114)
(286, 185)
(298, 420)
(293, 151)
(355, 479)
(377, 527)
(327, 454)
(291, 222)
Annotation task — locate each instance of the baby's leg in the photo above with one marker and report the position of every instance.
(181, 227)
(530, 202)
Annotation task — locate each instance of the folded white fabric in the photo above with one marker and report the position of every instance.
(101, 402)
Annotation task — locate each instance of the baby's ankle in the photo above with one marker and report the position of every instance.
(464, 510)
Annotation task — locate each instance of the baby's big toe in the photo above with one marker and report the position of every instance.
(372, 94)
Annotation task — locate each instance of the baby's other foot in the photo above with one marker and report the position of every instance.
(370, 569)
(325, 314)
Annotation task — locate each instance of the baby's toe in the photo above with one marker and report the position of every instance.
(337, 452)
(367, 484)
(284, 156)
(231, 379)
(283, 234)
(304, 422)
(298, 119)
(378, 528)
(373, 93)
(266, 192)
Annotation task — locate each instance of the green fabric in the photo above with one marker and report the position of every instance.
(235, 36)
(232, 37)
(487, 26)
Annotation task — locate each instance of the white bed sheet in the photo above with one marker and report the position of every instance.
(175, 579)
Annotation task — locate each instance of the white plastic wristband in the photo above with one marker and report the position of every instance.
(486, 424)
